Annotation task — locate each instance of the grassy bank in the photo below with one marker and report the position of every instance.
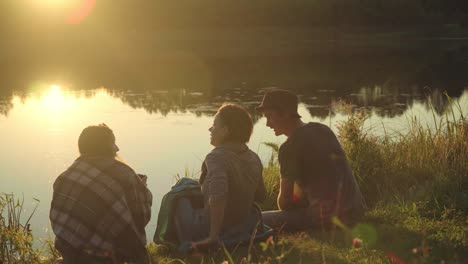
(415, 183)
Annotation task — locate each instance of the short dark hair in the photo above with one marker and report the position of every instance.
(237, 120)
(96, 140)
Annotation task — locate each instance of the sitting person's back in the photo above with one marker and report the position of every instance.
(100, 206)
(314, 159)
(234, 172)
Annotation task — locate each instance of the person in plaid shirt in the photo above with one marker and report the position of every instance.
(100, 206)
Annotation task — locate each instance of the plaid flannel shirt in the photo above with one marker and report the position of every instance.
(95, 200)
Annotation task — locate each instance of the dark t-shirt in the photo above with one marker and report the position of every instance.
(313, 158)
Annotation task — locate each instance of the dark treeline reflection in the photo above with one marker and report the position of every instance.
(384, 101)
(387, 80)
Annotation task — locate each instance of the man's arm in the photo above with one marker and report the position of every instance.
(285, 196)
(218, 189)
(217, 207)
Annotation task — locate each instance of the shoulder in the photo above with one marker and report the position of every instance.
(254, 158)
(117, 170)
(124, 168)
(303, 138)
(216, 153)
(317, 128)
(215, 157)
(312, 128)
(253, 154)
(309, 133)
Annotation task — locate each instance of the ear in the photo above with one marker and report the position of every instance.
(226, 131)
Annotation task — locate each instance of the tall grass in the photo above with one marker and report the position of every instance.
(16, 240)
(271, 177)
(425, 165)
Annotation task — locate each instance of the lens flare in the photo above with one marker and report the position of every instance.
(81, 12)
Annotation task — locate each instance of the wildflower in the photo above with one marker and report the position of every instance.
(357, 242)
(270, 240)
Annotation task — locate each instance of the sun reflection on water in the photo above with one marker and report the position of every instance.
(54, 100)
(55, 104)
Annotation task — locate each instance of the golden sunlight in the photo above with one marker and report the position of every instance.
(54, 100)
(54, 4)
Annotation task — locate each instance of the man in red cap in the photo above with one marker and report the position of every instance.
(316, 181)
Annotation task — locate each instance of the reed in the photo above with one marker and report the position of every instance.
(16, 243)
(424, 165)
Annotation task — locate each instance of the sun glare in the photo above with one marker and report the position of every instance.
(54, 100)
(54, 4)
(55, 89)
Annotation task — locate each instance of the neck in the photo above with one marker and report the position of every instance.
(293, 126)
(231, 143)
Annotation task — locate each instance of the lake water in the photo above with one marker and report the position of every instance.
(160, 109)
